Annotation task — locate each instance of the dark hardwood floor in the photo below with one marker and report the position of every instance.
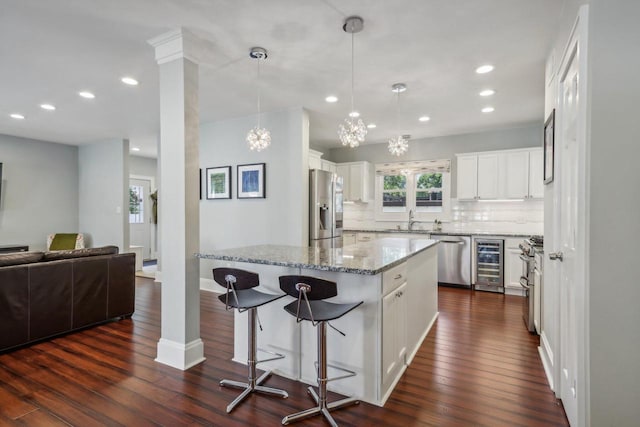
(478, 366)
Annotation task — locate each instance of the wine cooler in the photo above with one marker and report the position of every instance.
(490, 265)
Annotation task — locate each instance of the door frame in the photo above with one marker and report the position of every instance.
(152, 230)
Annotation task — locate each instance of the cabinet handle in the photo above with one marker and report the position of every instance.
(399, 276)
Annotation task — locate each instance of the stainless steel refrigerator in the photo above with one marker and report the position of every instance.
(325, 209)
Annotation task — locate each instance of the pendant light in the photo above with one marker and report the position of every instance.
(353, 130)
(398, 145)
(258, 138)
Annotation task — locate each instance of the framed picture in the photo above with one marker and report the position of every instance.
(219, 183)
(549, 126)
(251, 181)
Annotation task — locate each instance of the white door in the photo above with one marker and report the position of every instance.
(139, 215)
(467, 177)
(570, 146)
(514, 174)
(487, 176)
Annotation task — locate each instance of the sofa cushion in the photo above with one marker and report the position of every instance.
(17, 258)
(79, 253)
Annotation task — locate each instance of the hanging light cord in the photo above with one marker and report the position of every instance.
(259, 91)
(398, 111)
(352, 79)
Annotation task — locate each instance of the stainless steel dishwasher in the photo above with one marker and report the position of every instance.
(454, 260)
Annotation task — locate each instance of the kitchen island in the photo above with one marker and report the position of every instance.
(395, 277)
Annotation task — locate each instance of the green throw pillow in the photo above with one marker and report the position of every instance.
(63, 241)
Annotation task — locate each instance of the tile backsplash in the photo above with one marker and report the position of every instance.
(525, 216)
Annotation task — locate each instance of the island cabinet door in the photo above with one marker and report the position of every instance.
(394, 334)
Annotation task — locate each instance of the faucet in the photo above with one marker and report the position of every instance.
(411, 221)
(437, 225)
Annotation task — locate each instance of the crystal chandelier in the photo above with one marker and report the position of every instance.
(258, 138)
(398, 145)
(353, 130)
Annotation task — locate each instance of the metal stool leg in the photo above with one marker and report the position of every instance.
(321, 397)
(253, 384)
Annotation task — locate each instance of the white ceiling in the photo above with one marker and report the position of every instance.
(52, 49)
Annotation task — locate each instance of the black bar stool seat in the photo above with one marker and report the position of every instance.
(242, 296)
(247, 298)
(309, 306)
(321, 311)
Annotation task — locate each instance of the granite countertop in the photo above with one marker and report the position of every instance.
(367, 258)
(447, 232)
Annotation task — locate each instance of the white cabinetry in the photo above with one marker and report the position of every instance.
(514, 174)
(315, 161)
(467, 177)
(357, 180)
(506, 174)
(488, 176)
(326, 165)
(512, 266)
(536, 179)
(394, 332)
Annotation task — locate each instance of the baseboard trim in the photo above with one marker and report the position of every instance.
(546, 356)
(421, 340)
(180, 356)
(514, 291)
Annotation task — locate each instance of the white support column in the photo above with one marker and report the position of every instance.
(180, 345)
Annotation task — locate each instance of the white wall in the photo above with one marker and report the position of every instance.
(144, 166)
(39, 191)
(104, 193)
(281, 218)
(614, 212)
(445, 147)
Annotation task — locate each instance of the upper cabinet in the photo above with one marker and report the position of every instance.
(507, 174)
(536, 173)
(316, 162)
(357, 181)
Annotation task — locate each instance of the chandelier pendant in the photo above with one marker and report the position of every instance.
(398, 145)
(353, 131)
(258, 138)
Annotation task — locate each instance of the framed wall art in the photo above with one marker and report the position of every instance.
(251, 181)
(549, 136)
(219, 183)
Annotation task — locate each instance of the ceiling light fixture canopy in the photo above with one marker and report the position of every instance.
(353, 131)
(398, 145)
(258, 138)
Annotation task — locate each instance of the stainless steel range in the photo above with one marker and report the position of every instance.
(527, 255)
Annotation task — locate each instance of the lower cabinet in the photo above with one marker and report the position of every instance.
(512, 266)
(394, 334)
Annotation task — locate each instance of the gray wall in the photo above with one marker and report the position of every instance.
(446, 147)
(614, 212)
(144, 166)
(39, 191)
(281, 218)
(104, 193)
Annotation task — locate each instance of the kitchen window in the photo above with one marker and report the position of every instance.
(422, 187)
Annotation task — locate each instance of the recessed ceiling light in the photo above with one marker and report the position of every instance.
(487, 92)
(354, 114)
(488, 110)
(86, 94)
(371, 125)
(135, 149)
(331, 98)
(484, 69)
(424, 118)
(48, 107)
(129, 81)
(16, 116)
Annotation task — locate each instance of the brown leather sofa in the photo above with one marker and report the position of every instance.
(44, 294)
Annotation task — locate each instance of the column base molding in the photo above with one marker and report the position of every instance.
(180, 356)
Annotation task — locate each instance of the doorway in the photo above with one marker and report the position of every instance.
(141, 227)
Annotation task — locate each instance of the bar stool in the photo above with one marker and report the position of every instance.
(241, 296)
(309, 292)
